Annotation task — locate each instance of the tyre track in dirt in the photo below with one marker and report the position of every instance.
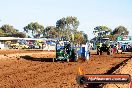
(125, 69)
(69, 83)
(14, 74)
(34, 74)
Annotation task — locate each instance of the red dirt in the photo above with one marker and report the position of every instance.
(22, 73)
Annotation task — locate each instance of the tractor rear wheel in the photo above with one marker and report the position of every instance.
(108, 52)
(98, 52)
(68, 60)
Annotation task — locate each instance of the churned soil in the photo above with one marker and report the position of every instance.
(16, 71)
(127, 69)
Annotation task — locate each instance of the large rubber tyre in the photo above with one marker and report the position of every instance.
(53, 59)
(68, 60)
(97, 52)
(100, 52)
(80, 80)
(108, 52)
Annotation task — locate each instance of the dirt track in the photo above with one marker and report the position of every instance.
(16, 72)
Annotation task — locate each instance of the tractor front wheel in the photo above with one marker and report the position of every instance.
(68, 60)
(108, 52)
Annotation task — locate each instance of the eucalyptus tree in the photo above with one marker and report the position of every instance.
(72, 24)
(60, 25)
(34, 28)
(67, 26)
(101, 32)
(9, 31)
(80, 38)
(119, 31)
(50, 32)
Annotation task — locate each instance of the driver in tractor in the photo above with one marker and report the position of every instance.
(98, 47)
(103, 47)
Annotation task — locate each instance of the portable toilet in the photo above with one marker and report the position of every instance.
(85, 51)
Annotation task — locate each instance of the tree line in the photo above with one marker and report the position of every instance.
(105, 32)
(66, 27)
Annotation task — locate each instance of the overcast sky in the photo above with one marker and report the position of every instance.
(90, 13)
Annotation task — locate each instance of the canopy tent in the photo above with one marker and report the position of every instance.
(128, 41)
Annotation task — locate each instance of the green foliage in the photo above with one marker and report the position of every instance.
(9, 31)
(67, 26)
(120, 30)
(50, 32)
(20, 35)
(102, 31)
(72, 22)
(35, 28)
(1, 31)
(80, 38)
(85, 38)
